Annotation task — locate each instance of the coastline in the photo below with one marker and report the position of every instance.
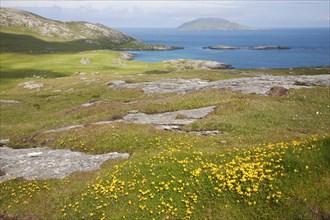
(312, 50)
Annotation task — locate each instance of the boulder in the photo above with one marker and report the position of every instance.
(277, 91)
(126, 56)
(31, 85)
(4, 142)
(197, 64)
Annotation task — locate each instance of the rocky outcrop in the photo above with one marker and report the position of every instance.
(65, 129)
(197, 64)
(268, 47)
(45, 163)
(126, 56)
(167, 120)
(277, 91)
(96, 36)
(65, 30)
(258, 85)
(31, 85)
(9, 101)
(4, 142)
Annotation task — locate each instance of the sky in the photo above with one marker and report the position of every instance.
(172, 13)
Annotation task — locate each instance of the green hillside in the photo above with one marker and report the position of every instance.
(27, 32)
(269, 157)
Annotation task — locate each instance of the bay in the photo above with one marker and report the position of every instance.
(308, 46)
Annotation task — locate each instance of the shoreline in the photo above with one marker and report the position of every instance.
(133, 57)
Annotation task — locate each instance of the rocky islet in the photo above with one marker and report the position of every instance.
(265, 47)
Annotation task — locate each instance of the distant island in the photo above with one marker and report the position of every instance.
(213, 24)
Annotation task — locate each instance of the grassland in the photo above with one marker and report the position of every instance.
(271, 162)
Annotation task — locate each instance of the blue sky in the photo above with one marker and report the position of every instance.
(172, 13)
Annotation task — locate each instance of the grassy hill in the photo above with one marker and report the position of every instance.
(271, 160)
(169, 174)
(22, 31)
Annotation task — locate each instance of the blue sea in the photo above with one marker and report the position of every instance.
(308, 47)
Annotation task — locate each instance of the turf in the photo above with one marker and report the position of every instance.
(271, 162)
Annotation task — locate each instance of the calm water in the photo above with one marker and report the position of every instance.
(309, 47)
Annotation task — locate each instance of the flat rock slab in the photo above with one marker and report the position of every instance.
(64, 129)
(167, 120)
(9, 101)
(173, 119)
(4, 142)
(172, 85)
(45, 163)
(197, 64)
(259, 85)
(31, 85)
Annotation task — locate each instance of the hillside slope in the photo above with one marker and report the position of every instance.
(82, 34)
(213, 24)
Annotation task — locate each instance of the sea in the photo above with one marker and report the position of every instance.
(309, 47)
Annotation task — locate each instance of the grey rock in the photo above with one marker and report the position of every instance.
(169, 120)
(126, 56)
(91, 42)
(91, 103)
(133, 111)
(65, 129)
(196, 64)
(259, 85)
(277, 91)
(40, 163)
(4, 142)
(84, 61)
(206, 133)
(102, 122)
(31, 85)
(170, 127)
(116, 83)
(34, 154)
(9, 101)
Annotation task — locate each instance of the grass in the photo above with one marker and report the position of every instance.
(275, 181)
(271, 162)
